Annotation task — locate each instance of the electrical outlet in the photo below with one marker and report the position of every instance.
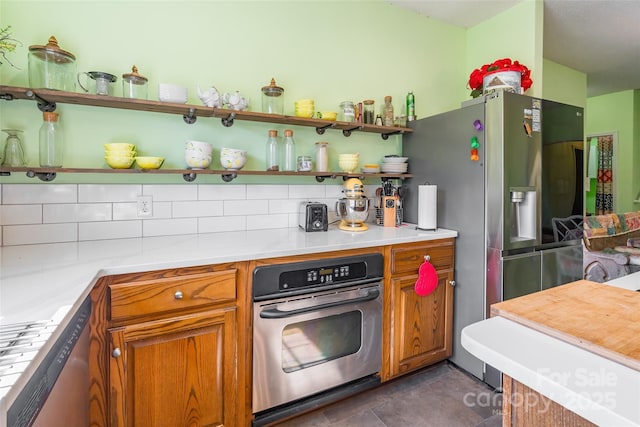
(145, 206)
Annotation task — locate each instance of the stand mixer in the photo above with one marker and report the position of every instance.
(353, 209)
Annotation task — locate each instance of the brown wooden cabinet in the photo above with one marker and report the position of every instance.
(417, 330)
(166, 347)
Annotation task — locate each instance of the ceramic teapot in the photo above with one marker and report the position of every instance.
(211, 97)
(235, 101)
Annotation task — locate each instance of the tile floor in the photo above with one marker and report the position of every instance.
(439, 396)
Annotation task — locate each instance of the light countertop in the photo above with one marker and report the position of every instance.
(604, 392)
(39, 281)
(36, 280)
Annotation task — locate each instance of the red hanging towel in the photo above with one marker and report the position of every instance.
(427, 279)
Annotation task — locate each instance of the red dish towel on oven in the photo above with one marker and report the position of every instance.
(427, 279)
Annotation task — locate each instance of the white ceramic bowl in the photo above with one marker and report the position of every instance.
(203, 148)
(393, 159)
(168, 92)
(232, 158)
(197, 162)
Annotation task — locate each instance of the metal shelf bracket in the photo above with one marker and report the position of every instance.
(321, 129)
(42, 176)
(189, 177)
(347, 132)
(43, 104)
(385, 136)
(191, 117)
(228, 121)
(228, 177)
(321, 178)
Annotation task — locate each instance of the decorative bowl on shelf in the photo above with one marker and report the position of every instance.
(119, 146)
(168, 92)
(149, 162)
(232, 159)
(120, 162)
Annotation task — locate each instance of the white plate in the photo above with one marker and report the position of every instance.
(370, 170)
(395, 167)
(395, 159)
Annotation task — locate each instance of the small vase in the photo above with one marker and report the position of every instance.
(502, 80)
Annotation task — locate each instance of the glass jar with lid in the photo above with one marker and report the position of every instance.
(322, 156)
(347, 112)
(51, 67)
(369, 111)
(134, 85)
(273, 98)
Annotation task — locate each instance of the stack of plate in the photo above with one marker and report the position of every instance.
(394, 165)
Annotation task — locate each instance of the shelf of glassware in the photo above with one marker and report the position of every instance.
(47, 99)
(189, 175)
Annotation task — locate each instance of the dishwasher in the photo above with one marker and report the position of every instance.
(57, 393)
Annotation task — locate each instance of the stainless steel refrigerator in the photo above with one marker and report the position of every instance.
(499, 190)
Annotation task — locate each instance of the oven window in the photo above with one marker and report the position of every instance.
(309, 343)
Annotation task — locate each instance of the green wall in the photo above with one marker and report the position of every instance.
(326, 50)
(618, 112)
(516, 34)
(563, 84)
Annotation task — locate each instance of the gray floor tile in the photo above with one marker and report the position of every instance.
(441, 395)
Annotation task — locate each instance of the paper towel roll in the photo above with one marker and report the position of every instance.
(427, 207)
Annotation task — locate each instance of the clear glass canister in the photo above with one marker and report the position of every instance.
(51, 67)
(322, 156)
(134, 85)
(305, 164)
(347, 111)
(273, 99)
(369, 111)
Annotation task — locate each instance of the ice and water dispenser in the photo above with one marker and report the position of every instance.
(523, 213)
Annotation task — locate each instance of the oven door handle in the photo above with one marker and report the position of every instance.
(274, 313)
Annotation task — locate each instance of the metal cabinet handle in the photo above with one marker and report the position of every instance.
(427, 258)
(116, 352)
(177, 295)
(452, 282)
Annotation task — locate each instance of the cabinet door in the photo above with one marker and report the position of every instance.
(422, 326)
(174, 372)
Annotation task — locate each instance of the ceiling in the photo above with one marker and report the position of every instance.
(596, 37)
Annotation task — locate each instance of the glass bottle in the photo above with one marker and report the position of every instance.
(322, 156)
(411, 107)
(51, 141)
(387, 113)
(273, 151)
(289, 152)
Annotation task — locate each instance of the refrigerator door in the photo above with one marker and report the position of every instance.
(439, 154)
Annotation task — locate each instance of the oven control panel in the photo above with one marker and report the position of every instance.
(301, 277)
(325, 275)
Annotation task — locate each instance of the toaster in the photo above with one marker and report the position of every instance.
(313, 216)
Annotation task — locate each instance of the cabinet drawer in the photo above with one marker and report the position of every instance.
(152, 297)
(408, 259)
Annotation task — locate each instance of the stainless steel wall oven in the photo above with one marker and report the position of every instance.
(316, 333)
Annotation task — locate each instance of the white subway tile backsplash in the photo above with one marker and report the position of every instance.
(223, 223)
(14, 194)
(306, 192)
(39, 233)
(261, 222)
(267, 192)
(164, 193)
(222, 192)
(20, 214)
(197, 209)
(47, 213)
(167, 227)
(284, 206)
(88, 193)
(246, 207)
(109, 230)
(83, 212)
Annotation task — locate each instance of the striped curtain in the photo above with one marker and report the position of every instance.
(604, 183)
